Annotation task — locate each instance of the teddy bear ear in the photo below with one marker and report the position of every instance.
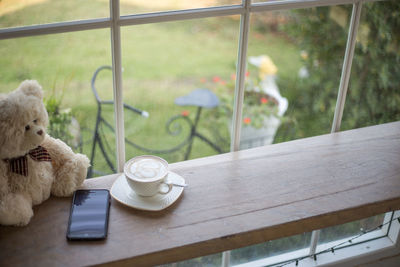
(6, 108)
(31, 87)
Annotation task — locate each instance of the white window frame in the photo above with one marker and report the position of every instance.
(116, 21)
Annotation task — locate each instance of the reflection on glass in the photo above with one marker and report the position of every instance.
(139, 6)
(172, 71)
(373, 95)
(293, 74)
(15, 13)
(63, 64)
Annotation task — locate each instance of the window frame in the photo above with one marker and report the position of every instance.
(115, 21)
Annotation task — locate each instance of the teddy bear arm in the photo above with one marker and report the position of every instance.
(58, 150)
(70, 169)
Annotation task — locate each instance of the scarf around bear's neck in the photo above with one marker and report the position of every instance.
(19, 165)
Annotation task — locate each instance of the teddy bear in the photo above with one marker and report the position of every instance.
(33, 164)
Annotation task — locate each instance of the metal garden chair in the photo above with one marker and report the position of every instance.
(201, 98)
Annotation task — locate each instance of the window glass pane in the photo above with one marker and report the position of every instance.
(206, 261)
(260, 1)
(63, 64)
(139, 6)
(350, 229)
(293, 76)
(15, 13)
(170, 71)
(270, 248)
(373, 95)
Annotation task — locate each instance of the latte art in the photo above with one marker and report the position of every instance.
(147, 169)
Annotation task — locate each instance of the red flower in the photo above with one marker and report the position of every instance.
(264, 100)
(222, 82)
(185, 113)
(216, 79)
(203, 80)
(247, 73)
(247, 120)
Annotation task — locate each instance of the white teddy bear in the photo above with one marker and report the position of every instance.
(33, 165)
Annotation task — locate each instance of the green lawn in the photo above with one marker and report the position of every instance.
(160, 61)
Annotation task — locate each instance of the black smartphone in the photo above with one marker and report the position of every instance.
(88, 218)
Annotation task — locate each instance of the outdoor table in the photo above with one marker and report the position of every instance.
(200, 98)
(233, 200)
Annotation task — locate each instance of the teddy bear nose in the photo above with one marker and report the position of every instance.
(40, 132)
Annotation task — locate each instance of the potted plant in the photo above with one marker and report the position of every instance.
(62, 124)
(263, 106)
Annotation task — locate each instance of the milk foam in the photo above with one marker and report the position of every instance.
(147, 169)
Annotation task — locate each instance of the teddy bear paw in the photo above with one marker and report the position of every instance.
(70, 176)
(25, 219)
(63, 190)
(82, 164)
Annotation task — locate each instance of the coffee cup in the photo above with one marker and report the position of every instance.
(147, 175)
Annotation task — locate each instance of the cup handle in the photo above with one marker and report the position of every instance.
(169, 184)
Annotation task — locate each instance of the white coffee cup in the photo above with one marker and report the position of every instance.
(147, 175)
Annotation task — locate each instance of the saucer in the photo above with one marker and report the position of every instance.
(121, 192)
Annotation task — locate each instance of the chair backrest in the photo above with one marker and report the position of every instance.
(94, 82)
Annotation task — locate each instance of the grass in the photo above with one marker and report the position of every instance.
(161, 62)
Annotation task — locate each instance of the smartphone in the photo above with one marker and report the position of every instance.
(88, 218)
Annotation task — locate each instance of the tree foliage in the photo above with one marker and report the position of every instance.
(373, 95)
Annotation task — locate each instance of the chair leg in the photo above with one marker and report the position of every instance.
(95, 139)
(103, 151)
(193, 133)
(90, 170)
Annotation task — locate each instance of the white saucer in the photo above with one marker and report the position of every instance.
(121, 192)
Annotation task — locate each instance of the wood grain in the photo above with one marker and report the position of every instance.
(233, 200)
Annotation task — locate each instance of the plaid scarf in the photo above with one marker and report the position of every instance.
(20, 165)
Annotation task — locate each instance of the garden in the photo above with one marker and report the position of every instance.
(165, 61)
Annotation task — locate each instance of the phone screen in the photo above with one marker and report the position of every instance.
(88, 219)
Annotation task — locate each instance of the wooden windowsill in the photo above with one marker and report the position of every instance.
(233, 200)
